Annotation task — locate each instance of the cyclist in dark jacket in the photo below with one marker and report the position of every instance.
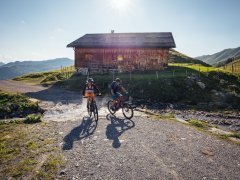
(116, 90)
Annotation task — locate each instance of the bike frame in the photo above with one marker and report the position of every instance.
(90, 100)
(121, 100)
(123, 104)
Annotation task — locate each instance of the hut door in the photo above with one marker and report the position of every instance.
(88, 58)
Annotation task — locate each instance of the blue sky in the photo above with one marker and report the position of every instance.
(36, 30)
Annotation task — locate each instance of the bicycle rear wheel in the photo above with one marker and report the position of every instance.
(127, 111)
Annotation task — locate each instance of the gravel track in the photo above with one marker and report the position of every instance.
(141, 148)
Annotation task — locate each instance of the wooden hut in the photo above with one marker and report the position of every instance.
(122, 51)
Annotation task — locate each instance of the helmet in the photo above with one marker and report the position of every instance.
(90, 80)
(117, 80)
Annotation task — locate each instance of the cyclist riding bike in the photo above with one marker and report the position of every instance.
(88, 91)
(116, 91)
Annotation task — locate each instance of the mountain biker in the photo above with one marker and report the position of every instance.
(88, 90)
(116, 90)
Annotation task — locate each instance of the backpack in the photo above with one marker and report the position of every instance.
(113, 86)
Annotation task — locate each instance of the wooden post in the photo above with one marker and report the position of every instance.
(235, 68)
(157, 74)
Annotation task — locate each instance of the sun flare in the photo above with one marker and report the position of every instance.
(119, 4)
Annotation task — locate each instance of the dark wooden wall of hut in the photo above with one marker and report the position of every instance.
(122, 59)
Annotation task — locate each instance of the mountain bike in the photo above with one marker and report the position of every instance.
(123, 103)
(92, 108)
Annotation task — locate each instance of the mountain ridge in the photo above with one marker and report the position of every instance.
(220, 57)
(17, 68)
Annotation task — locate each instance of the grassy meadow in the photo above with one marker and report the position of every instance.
(176, 83)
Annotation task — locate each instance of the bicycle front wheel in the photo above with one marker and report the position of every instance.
(89, 109)
(127, 111)
(111, 108)
(95, 112)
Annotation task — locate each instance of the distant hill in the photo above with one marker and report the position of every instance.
(221, 56)
(1, 63)
(177, 57)
(13, 69)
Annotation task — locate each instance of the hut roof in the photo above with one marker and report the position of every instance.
(120, 40)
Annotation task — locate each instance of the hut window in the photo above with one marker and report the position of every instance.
(119, 57)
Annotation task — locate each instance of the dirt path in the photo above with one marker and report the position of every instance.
(141, 148)
(15, 86)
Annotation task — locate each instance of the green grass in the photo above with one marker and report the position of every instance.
(235, 135)
(177, 57)
(46, 77)
(16, 105)
(33, 118)
(229, 136)
(26, 151)
(31, 145)
(51, 166)
(198, 67)
(199, 124)
(168, 116)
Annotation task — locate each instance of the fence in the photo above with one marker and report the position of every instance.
(173, 71)
(67, 71)
(233, 68)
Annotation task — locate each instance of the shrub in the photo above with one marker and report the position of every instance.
(198, 124)
(33, 118)
(235, 135)
(49, 78)
(60, 76)
(16, 105)
(37, 75)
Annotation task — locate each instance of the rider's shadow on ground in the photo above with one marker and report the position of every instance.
(117, 128)
(85, 129)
